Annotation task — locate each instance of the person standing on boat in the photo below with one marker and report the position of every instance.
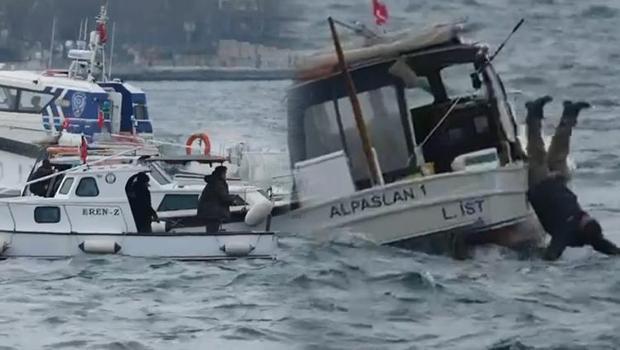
(140, 201)
(215, 201)
(556, 206)
(40, 188)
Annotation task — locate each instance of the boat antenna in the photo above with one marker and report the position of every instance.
(371, 156)
(111, 51)
(501, 47)
(50, 62)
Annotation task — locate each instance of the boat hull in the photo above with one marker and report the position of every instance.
(183, 246)
(417, 209)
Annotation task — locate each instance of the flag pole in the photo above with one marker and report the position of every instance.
(371, 158)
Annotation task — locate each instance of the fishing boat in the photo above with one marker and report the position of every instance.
(409, 140)
(89, 212)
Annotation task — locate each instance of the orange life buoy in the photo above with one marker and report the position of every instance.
(204, 138)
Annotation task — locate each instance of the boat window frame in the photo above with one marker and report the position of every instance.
(37, 217)
(163, 207)
(61, 189)
(77, 189)
(158, 173)
(144, 112)
(16, 109)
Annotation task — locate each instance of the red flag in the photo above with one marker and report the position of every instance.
(380, 11)
(83, 149)
(65, 124)
(100, 120)
(103, 32)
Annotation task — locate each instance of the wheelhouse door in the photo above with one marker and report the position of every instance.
(116, 99)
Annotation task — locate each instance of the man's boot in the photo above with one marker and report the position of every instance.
(571, 112)
(535, 109)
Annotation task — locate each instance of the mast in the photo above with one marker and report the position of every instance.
(50, 62)
(371, 157)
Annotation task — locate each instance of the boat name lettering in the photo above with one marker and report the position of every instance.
(462, 209)
(101, 212)
(385, 199)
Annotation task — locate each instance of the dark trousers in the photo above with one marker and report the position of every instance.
(144, 226)
(542, 164)
(213, 226)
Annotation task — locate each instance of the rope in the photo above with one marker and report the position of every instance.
(443, 119)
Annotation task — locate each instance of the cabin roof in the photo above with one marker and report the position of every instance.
(38, 82)
(381, 49)
(183, 159)
(104, 169)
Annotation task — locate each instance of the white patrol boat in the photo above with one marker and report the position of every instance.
(89, 213)
(413, 144)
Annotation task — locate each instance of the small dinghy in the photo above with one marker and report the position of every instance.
(90, 213)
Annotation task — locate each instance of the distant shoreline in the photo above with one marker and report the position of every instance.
(202, 74)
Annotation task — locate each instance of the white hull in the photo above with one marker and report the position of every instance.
(173, 246)
(410, 209)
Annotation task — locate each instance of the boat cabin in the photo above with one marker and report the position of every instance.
(88, 200)
(175, 203)
(49, 102)
(425, 103)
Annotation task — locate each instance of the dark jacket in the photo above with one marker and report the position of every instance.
(40, 188)
(559, 213)
(214, 201)
(141, 202)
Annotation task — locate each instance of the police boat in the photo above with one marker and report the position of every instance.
(57, 107)
(433, 162)
(87, 211)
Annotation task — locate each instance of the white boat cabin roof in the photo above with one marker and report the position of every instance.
(38, 82)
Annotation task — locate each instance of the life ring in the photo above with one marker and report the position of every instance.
(202, 137)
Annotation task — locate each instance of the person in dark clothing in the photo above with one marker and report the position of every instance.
(40, 188)
(556, 206)
(214, 203)
(140, 202)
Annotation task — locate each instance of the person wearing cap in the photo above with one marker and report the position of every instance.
(556, 206)
(215, 201)
(140, 202)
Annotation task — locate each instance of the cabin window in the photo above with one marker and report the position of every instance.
(47, 215)
(457, 81)
(66, 186)
(140, 112)
(87, 188)
(382, 115)
(419, 97)
(178, 202)
(159, 176)
(33, 102)
(8, 98)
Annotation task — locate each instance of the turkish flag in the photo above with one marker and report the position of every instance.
(83, 149)
(380, 11)
(100, 120)
(103, 32)
(65, 124)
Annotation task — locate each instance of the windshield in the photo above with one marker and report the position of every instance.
(457, 80)
(160, 175)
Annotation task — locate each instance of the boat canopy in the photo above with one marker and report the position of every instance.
(380, 48)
